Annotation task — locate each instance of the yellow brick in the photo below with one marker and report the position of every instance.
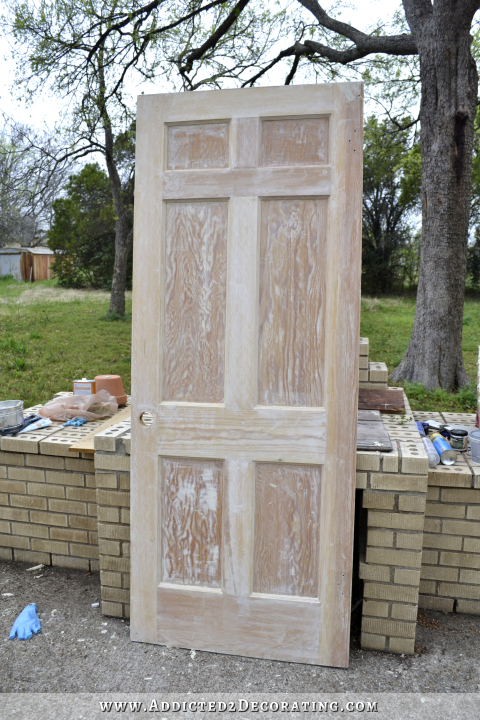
(414, 459)
(113, 462)
(428, 602)
(13, 486)
(115, 594)
(117, 564)
(407, 577)
(87, 494)
(468, 607)
(57, 446)
(46, 490)
(400, 558)
(428, 587)
(437, 572)
(92, 509)
(32, 557)
(14, 541)
(125, 515)
(454, 495)
(361, 480)
(25, 474)
(404, 612)
(80, 465)
(456, 590)
(68, 506)
(10, 458)
(114, 532)
(45, 461)
(93, 538)
(363, 375)
(68, 534)
(378, 573)
(64, 478)
(378, 372)
(26, 501)
(111, 609)
(75, 563)
(3, 498)
(432, 525)
(108, 514)
(7, 513)
(442, 542)
(110, 579)
(377, 609)
(409, 541)
(411, 503)
(373, 642)
(124, 482)
(106, 480)
(46, 518)
(433, 493)
(456, 476)
(20, 444)
(402, 483)
(5, 527)
(469, 576)
(108, 547)
(378, 500)
(397, 521)
(368, 461)
(94, 566)
(390, 461)
(126, 580)
(85, 523)
(50, 546)
(388, 627)
(6, 554)
(380, 538)
(473, 513)
(429, 557)
(90, 481)
(471, 545)
(30, 530)
(88, 551)
(443, 510)
(363, 362)
(459, 527)
(402, 645)
(126, 549)
(3, 472)
(110, 497)
(378, 591)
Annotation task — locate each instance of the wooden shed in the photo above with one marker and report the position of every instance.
(30, 264)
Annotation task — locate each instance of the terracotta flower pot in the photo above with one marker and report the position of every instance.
(112, 384)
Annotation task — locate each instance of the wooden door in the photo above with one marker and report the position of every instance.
(245, 351)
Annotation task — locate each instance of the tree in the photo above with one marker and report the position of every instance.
(82, 234)
(215, 41)
(391, 190)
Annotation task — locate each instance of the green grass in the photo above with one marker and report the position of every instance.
(50, 336)
(387, 322)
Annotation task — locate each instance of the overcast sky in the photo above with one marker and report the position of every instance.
(45, 110)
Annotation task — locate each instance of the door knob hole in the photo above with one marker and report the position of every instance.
(146, 418)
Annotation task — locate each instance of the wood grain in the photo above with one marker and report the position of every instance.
(192, 522)
(292, 290)
(195, 291)
(192, 147)
(265, 434)
(388, 400)
(246, 135)
(296, 141)
(287, 517)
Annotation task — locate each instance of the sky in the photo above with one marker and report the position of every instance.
(45, 110)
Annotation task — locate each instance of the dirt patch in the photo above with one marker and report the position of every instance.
(79, 650)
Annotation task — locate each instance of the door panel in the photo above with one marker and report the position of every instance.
(245, 334)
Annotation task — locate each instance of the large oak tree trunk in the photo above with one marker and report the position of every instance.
(447, 114)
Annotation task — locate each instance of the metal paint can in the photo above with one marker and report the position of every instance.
(443, 448)
(458, 439)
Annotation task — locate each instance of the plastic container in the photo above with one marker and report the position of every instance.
(11, 413)
(458, 439)
(433, 456)
(112, 384)
(475, 446)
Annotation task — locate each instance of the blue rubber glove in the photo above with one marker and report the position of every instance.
(26, 623)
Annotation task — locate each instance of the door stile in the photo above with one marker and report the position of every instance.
(342, 332)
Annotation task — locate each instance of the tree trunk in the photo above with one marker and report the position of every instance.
(449, 94)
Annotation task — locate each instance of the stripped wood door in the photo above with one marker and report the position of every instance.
(245, 352)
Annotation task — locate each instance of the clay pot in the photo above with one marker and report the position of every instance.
(112, 384)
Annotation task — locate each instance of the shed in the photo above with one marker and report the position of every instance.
(30, 264)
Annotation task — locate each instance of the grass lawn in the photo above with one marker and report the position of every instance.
(50, 336)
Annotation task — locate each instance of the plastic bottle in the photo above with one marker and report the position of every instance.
(433, 456)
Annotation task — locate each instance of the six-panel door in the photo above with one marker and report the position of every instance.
(246, 309)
